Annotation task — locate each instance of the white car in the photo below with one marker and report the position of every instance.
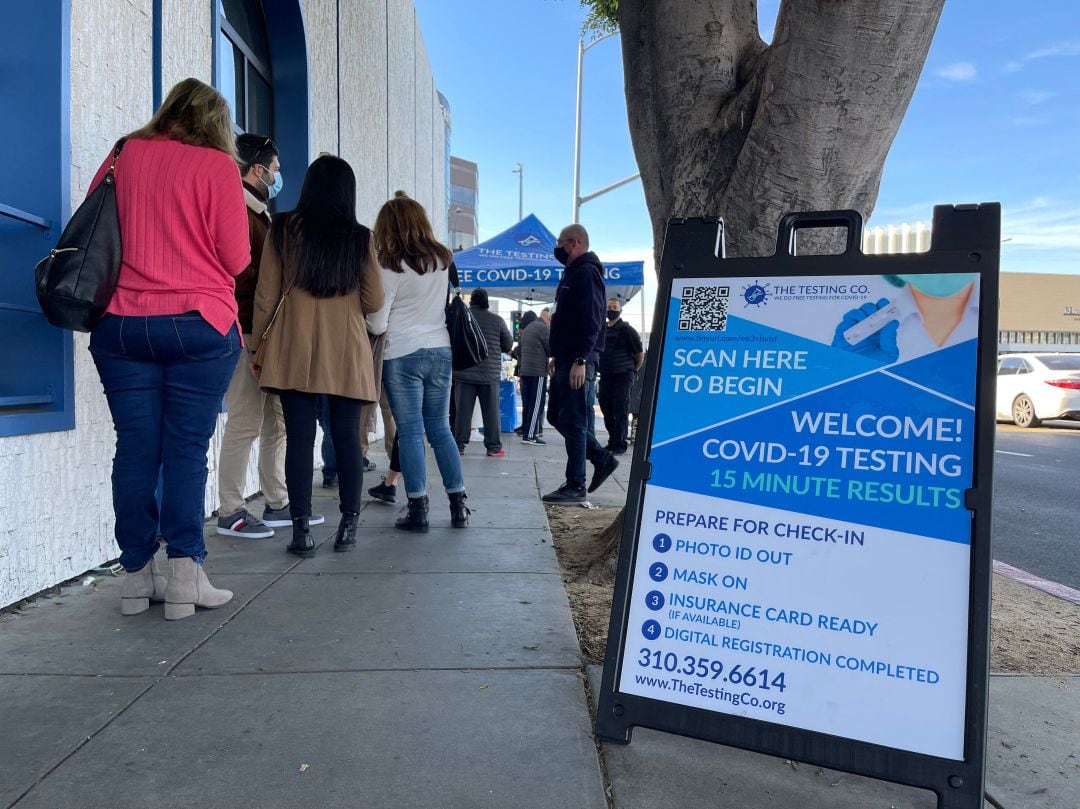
(1034, 387)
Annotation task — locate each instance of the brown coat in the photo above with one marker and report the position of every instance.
(246, 281)
(316, 345)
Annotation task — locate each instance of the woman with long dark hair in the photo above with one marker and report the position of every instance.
(167, 347)
(318, 280)
(417, 361)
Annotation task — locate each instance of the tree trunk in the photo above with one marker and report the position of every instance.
(724, 125)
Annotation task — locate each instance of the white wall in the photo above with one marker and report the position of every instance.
(56, 507)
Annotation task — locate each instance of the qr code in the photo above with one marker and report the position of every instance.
(703, 309)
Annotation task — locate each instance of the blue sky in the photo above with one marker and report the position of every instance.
(995, 117)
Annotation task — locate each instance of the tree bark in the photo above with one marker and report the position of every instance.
(723, 124)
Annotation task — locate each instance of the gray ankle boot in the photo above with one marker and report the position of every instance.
(189, 588)
(141, 587)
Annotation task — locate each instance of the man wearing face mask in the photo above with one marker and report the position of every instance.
(251, 412)
(576, 340)
(622, 356)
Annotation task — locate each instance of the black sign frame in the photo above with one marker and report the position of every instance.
(966, 236)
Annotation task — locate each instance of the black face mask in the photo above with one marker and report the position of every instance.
(613, 315)
(561, 256)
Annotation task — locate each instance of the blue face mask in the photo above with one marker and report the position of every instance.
(940, 285)
(273, 189)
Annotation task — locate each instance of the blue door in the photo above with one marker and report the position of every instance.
(36, 367)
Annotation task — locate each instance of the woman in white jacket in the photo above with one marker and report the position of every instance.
(417, 364)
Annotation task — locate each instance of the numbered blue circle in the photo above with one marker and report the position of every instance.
(651, 630)
(661, 543)
(654, 600)
(657, 571)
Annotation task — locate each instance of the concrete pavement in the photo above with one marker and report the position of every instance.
(436, 670)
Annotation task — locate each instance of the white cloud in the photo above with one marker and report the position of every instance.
(1034, 97)
(1043, 224)
(1030, 121)
(1069, 47)
(958, 71)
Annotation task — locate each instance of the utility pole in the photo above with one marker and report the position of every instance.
(520, 172)
(578, 199)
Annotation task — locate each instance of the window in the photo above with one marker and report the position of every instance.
(37, 369)
(243, 72)
(1008, 366)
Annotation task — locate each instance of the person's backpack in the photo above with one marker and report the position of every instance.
(76, 281)
(467, 342)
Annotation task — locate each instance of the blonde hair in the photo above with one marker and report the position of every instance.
(196, 114)
(403, 234)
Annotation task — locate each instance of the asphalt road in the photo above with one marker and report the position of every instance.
(1037, 500)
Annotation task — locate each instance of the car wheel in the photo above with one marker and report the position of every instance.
(1023, 412)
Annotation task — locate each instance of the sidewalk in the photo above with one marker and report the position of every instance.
(436, 670)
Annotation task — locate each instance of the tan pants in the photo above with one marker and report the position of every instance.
(252, 414)
(368, 422)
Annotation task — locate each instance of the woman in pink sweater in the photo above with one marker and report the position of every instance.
(167, 346)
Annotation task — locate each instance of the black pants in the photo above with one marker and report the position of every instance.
(533, 394)
(614, 399)
(467, 393)
(299, 410)
(568, 411)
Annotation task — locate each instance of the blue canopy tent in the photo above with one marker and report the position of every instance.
(519, 264)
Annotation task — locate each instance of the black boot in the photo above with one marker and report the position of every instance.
(415, 518)
(459, 512)
(346, 532)
(302, 544)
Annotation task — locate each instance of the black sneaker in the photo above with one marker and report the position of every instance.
(603, 471)
(384, 492)
(369, 466)
(567, 493)
(329, 483)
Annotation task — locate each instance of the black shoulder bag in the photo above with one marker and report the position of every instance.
(76, 281)
(467, 342)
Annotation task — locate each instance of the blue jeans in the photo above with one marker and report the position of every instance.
(418, 387)
(329, 457)
(164, 379)
(569, 412)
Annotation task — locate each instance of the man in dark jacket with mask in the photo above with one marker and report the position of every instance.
(482, 381)
(577, 338)
(621, 358)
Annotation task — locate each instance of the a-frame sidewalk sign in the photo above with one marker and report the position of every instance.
(805, 563)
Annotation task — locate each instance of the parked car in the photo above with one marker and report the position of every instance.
(1034, 387)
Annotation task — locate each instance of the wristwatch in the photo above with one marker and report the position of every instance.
(579, 361)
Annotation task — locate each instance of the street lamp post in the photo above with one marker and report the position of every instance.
(520, 171)
(578, 199)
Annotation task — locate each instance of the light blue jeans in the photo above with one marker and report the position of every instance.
(418, 387)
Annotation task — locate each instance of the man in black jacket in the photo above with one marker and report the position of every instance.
(482, 381)
(577, 337)
(621, 358)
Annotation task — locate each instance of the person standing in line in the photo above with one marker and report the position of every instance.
(417, 365)
(251, 413)
(545, 315)
(482, 380)
(619, 362)
(535, 353)
(318, 280)
(577, 338)
(169, 341)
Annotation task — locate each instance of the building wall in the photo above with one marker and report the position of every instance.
(1039, 302)
(56, 512)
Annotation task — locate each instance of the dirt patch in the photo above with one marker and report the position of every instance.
(1031, 632)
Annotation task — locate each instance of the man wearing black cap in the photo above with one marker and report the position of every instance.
(577, 337)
